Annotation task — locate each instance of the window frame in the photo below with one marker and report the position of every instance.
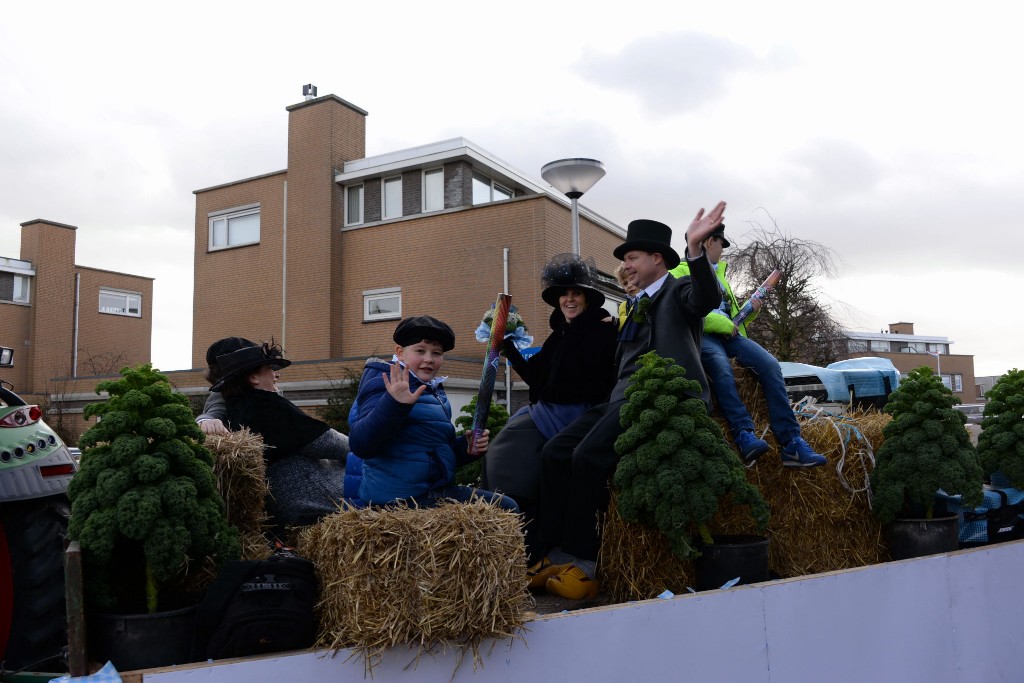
(384, 184)
(491, 183)
(423, 183)
(127, 294)
(22, 282)
(371, 295)
(227, 215)
(361, 188)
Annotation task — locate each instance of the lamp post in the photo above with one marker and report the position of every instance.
(573, 177)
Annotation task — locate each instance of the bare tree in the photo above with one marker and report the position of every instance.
(797, 323)
(103, 363)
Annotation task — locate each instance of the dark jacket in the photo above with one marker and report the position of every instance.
(576, 363)
(305, 458)
(407, 450)
(284, 427)
(673, 326)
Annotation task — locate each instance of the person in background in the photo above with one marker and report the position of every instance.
(724, 340)
(628, 287)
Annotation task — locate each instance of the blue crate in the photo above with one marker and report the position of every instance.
(1000, 517)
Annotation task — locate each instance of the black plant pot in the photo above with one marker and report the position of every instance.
(732, 556)
(919, 537)
(142, 641)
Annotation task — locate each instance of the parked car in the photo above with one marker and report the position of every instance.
(973, 411)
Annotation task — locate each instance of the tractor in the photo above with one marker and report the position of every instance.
(35, 469)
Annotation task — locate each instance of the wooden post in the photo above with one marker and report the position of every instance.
(78, 663)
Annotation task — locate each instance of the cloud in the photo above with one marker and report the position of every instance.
(679, 72)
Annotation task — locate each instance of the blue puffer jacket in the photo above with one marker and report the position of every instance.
(407, 450)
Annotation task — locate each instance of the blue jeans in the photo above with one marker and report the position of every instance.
(715, 352)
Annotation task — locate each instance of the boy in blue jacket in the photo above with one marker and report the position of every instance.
(403, 428)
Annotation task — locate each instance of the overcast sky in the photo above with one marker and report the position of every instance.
(888, 131)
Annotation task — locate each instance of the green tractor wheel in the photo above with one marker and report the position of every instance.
(33, 625)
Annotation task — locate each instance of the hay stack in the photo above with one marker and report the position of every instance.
(444, 576)
(241, 475)
(820, 517)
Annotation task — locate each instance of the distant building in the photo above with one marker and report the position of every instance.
(907, 351)
(330, 253)
(64, 320)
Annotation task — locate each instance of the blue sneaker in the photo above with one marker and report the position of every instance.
(751, 448)
(798, 453)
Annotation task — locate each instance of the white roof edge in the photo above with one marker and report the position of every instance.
(882, 336)
(438, 152)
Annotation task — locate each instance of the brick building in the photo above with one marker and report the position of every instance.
(327, 255)
(66, 321)
(907, 351)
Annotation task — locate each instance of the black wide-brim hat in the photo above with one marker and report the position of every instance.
(650, 236)
(225, 345)
(416, 329)
(566, 271)
(236, 363)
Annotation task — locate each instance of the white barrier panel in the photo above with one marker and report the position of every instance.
(946, 618)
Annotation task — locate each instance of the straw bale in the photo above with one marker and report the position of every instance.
(241, 475)
(430, 578)
(821, 518)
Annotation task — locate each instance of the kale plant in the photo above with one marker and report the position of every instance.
(1001, 444)
(675, 464)
(925, 448)
(144, 504)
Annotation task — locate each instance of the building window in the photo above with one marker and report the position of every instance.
(354, 205)
(958, 383)
(938, 348)
(235, 227)
(486, 190)
(14, 288)
(392, 199)
(119, 302)
(856, 346)
(879, 345)
(433, 190)
(382, 304)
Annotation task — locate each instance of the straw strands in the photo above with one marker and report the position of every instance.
(430, 578)
(241, 475)
(821, 518)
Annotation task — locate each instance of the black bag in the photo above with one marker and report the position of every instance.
(258, 606)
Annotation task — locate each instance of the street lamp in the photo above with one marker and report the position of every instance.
(573, 177)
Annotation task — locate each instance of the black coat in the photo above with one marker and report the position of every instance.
(576, 363)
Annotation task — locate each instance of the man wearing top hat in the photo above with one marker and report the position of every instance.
(667, 317)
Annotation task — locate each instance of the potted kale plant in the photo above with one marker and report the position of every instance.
(146, 512)
(925, 449)
(1001, 443)
(675, 469)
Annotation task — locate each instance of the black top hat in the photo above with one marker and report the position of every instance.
(569, 270)
(416, 329)
(233, 364)
(652, 237)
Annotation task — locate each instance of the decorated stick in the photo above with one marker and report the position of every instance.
(490, 372)
(759, 294)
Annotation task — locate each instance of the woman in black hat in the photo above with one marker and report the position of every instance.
(573, 371)
(305, 457)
